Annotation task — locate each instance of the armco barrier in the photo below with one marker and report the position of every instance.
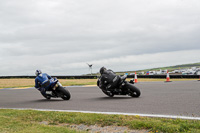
(59, 77)
(95, 77)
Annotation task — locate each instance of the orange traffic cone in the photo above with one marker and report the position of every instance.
(168, 78)
(136, 80)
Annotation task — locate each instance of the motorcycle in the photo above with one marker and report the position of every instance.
(123, 88)
(56, 90)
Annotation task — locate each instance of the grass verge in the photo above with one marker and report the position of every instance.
(23, 82)
(30, 121)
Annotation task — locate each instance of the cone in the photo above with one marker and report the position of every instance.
(168, 78)
(199, 78)
(136, 80)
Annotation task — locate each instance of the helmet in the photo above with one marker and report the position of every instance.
(102, 69)
(37, 72)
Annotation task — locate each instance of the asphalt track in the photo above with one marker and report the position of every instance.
(180, 98)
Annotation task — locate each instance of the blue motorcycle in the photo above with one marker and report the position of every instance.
(56, 90)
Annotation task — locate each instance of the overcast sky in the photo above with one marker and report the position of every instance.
(61, 36)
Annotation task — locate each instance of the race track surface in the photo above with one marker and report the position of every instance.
(181, 98)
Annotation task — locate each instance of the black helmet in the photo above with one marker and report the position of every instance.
(102, 70)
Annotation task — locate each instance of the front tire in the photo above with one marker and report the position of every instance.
(134, 91)
(65, 93)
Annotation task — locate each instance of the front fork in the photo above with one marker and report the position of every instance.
(56, 85)
(53, 92)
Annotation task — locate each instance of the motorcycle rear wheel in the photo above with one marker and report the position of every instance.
(110, 95)
(45, 96)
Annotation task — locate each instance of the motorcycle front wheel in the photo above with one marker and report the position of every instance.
(64, 92)
(134, 91)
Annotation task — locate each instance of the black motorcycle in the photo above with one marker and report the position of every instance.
(123, 88)
(57, 90)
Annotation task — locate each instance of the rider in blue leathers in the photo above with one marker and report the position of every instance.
(43, 82)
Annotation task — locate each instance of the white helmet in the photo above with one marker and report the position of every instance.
(37, 72)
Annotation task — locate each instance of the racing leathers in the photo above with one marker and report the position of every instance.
(108, 80)
(43, 82)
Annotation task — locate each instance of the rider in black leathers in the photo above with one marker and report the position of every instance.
(108, 79)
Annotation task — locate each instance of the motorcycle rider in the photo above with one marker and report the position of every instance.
(108, 79)
(43, 82)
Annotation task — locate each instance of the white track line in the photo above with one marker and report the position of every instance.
(114, 113)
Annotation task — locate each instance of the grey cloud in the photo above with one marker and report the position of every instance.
(46, 33)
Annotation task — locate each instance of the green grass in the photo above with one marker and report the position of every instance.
(15, 121)
(19, 121)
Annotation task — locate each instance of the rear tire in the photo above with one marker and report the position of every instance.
(64, 92)
(48, 97)
(134, 91)
(110, 95)
(45, 96)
